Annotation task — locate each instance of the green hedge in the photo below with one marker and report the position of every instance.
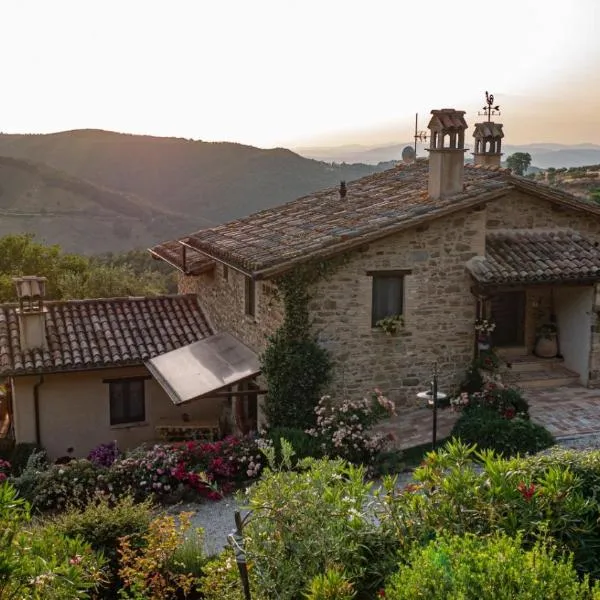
(490, 430)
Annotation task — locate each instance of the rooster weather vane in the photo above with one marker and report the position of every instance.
(489, 110)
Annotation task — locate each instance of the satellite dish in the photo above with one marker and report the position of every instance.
(409, 155)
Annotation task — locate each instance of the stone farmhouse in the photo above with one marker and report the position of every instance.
(437, 241)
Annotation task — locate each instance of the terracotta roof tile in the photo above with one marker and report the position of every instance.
(307, 226)
(89, 334)
(488, 130)
(173, 253)
(536, 256)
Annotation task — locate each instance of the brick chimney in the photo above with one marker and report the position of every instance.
(31, 313)
(488, 144)
(446, 152)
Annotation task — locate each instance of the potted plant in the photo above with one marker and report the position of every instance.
(391, 325)
(484, 329)
(547, 344)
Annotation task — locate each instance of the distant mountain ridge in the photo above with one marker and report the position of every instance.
(544, 155)
(169, 184)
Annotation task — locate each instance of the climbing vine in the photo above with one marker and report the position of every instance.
(296, 367)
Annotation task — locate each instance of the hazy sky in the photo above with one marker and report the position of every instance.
(285, 72)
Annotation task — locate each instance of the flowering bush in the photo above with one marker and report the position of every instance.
(495, 395)
(5, 468)
(165, 472)
(104, 455)
(484, 327)
(344, 429)
(226, 462)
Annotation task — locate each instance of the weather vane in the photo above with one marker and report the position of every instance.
(489, 110)
(420, 136)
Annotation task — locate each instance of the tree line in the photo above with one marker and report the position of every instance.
(71, 276)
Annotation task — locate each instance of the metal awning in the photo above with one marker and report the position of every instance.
(203, 367)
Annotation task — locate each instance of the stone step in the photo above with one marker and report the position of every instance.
(556, 376)
(521, 364)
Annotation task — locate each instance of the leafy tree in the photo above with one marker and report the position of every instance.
(73, 276)
(519, 162)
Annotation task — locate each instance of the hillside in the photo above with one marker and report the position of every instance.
(200, 181)
(582, 181)
(78, 215)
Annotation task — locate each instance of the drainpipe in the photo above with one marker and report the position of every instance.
(36, 408)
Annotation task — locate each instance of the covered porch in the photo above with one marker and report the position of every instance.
(540, 288)
(217, 368)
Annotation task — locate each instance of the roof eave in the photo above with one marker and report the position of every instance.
(218, 259)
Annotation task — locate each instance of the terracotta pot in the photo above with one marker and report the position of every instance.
(546, 347)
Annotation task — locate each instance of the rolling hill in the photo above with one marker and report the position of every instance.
(78, 215)
(200, 182)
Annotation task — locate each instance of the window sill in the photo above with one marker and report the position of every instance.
(131, 425)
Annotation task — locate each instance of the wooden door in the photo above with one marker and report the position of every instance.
(508, 312)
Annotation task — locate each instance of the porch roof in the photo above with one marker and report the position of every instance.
(204, 367)
(520, 256)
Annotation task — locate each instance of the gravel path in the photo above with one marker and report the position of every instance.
(217, 520)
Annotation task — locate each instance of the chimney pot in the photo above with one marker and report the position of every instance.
(31, 291)
(447, 148)
(343, 189)
(488, 144)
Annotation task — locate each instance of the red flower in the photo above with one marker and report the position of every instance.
(381, 593)
(527, 491)
(509, 413)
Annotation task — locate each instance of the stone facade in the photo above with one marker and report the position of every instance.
(522, 211)
(439, 306)
(222, 294)
(439, 310)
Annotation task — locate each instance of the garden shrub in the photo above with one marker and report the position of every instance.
(489, 568)
(296, 370)
(145, 566)
(304, 445)
(488, 429)
(21, 454)
(343, 429)
(41, 563)
(104, 455)
(101, 524)
(5, 469)
(189, 558)
(459, 491)
(331, 585)
(323, 513)
(221, 579)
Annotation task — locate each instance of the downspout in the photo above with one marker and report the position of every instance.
(36, 409)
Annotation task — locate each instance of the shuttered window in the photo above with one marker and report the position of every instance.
(127, 401)
(388, 296)
(250, 297)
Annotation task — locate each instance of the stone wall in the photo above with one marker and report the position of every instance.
(522, 211)
(439, 311)
(222, 295)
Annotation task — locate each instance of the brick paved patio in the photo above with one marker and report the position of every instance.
(567, 411)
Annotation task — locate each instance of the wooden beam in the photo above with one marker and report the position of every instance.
(237, 393)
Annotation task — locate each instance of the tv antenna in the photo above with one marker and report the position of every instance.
(420, 136)
(489, 110)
